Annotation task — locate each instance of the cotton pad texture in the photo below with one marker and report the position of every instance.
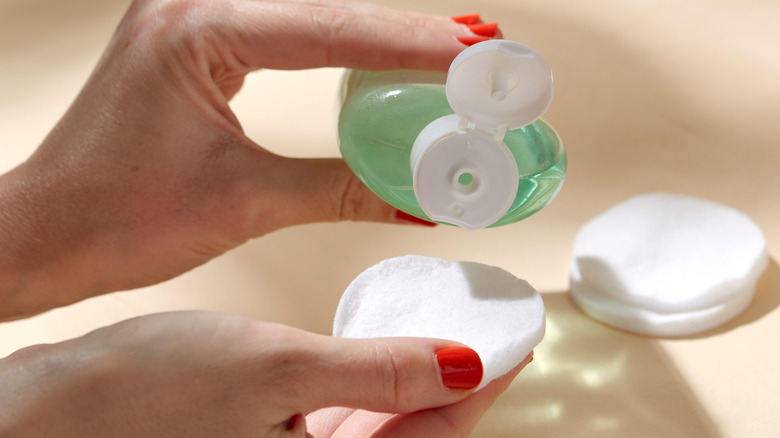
(665, 264)
(488, 309)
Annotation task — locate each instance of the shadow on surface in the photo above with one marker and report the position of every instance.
(588, 380)
(766, 300)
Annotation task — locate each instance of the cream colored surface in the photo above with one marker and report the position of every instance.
(662, 95)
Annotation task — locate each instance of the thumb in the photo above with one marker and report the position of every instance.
(323, 190)
(395, 375)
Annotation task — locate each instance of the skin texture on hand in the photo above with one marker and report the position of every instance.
(149, 174)
(205, 374)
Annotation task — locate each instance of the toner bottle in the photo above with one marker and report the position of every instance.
(467, 148)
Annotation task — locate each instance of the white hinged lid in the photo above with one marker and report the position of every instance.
(499, 83)
(462, 171)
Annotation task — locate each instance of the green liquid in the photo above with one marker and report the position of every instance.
(378, 126)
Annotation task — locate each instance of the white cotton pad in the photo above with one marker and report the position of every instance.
(484, 307)
(667, 265)
(649, 322)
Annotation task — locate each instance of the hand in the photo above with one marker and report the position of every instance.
(193, 374)
(149, 174)
(456, 420)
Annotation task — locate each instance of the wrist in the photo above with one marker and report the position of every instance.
(42, 253)
(31, 388)
(56, 390)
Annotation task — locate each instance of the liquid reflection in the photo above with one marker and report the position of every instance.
(588, 380)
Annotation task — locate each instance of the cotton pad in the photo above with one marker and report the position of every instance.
(484, 307)
(667, 265)
(649, 322)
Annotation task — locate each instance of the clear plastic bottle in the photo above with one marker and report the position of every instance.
(465, 148)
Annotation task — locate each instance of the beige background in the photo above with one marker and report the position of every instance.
(680, 96)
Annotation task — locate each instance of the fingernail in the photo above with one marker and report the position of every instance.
(466, 19)
(484, 29)
(471, 40)
(460, 367)
(404, 216)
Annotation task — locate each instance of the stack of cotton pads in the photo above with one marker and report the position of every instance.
(667, 265)
(484, 307)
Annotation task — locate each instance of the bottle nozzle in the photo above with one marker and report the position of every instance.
(501, 81)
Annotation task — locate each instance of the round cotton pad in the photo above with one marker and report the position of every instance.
(665, 264)
(649, 322)
(484, 307)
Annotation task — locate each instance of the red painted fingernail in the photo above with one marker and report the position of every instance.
(466, 19)
(460, 367)
(404, 216)
(471, 40)
(484, 29)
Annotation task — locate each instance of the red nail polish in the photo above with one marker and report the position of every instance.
(471, 40)
(466, 19)
(404, 216)
(484, 29)
(460, 367)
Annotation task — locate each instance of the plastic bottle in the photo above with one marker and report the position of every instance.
(467, 148)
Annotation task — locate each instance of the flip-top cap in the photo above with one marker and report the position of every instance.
(462, 171)
(466, 178)
(499, 83)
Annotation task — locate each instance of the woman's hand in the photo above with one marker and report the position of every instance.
(193, 374)
(148, 174)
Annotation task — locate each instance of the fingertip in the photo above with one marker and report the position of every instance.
(395, 375)
(466, 19)
(480, 31)
(460, 367)
(472, 39)
(406, 218)
(484, 29)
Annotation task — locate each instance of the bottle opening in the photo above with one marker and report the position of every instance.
(466, 183)
(462, 171)
(465, 179)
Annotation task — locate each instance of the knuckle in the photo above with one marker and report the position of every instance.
(393, 368)
(168, 24)
(333, 23)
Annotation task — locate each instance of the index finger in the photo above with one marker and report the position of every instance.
(310, 34)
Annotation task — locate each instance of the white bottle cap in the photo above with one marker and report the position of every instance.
(462, 171)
